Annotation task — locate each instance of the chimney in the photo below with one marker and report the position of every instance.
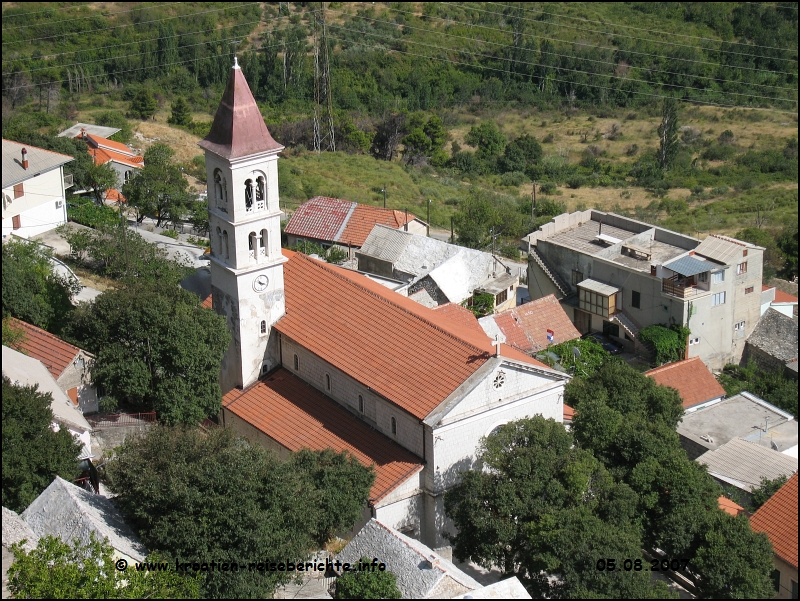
(83, 133)
(406, 227)
(691, 253)
(24, 158)
(600, 230)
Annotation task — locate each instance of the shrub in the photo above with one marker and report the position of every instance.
(513, 178)
(669, 342)
(170, 234)
(575, 182)
(548, 188)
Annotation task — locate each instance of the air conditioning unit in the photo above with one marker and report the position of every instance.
(59, 204)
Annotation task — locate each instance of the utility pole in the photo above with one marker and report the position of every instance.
(429, 219)
(533, 201)
(452, 234)
(384, 195)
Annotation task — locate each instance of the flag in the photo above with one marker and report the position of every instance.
(551, 336)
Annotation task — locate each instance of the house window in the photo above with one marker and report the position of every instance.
(738, 326)
(597, 303)
(360, 404)
(328, 382)
(19, 190)
(220, 190)
(718, 299)
(702, 277)
(744, 252)
(251, 244)
(501, 298)
(16, 222)
(263, 326)
(577, 277)
(719, 277)
(225, 247)
(749, 290)
(693, 341)
(394, 426)
(296, 362)
(636, 300)
(741, 268)
(776, 580)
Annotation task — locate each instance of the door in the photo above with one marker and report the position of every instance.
(583, 321)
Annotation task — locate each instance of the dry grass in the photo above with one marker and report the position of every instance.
(605, 199)
(182, 142)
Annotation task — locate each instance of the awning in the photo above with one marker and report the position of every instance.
(599, 287)
(689, 266)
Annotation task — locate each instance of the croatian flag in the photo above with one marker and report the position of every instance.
(551, 336)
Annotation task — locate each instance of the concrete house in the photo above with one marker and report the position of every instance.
(618, 275)
(325, 357)
(328, 221)
(778, 519)
(34, 189)
(68, 364)
(779, 300)
(433, 272)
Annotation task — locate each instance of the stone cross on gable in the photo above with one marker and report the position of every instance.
(496, 343)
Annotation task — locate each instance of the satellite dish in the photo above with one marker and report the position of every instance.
(576, 352)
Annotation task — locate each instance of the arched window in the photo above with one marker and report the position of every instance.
(220, 190)
(248, 195)
(296, 363)
(127, 176)
(219, 241)
(327, 382)
(225, 247)
(394, 426)
(263, 326)
(252, 244)
(261, 192)
(264, 242)
(360, 404)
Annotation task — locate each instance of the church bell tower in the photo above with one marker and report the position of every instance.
(244, 219)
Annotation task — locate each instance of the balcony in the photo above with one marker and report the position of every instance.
(681, 290)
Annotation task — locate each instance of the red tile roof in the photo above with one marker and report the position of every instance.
(381, 338)
(365, 217)
(114, 195)
(461, 315)
(208, 302)
(107, 144)
(525, 327)
(691, 378)
(298, 416)
(238, 129)
(729, 507)
(342, 221)
(569, 413)
(321, 218)
(54, 353)
(102, 156)
(778, 518)
(783, 297)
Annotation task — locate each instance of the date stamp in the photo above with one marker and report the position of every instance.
(638, 565)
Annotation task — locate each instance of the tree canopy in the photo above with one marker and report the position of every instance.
(367, 584)
(155, 348)
(177, 488)
(56, 570)
(33, 455)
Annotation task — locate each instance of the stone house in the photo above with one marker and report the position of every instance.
(773, 343)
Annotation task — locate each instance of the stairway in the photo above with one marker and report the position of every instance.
(562, 286)
(627, 323)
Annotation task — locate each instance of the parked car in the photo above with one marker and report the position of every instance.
(611, 347)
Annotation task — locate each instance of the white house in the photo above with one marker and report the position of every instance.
(33, 189)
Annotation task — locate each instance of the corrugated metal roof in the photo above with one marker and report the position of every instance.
(688, 266)
(97, 130)
(744, 463)
(385, 243)
(723, 249)
(598, 287)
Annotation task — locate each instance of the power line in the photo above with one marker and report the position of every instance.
(604, 47)
(58, 35)
(569, 69)
(568, 56)
(681, 35)
(38, 12)
(624, 35)
(588, 85)
(87, 15)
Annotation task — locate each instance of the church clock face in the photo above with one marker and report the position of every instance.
(260, 283)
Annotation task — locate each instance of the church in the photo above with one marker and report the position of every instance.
(322, 357)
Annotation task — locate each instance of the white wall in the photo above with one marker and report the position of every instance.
(36, 208)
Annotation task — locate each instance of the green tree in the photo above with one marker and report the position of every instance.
(156, 348)
(343, 484)
(733, 562)
(143, 106)
(521, 154)
(489, 142)
(482, 214)
(787, 243)
(367, 584)
(668, 134)
(159, 189)
(13, 336)
(33, 455)
(766, 489)
(175, 487)
(32, 290)
(100, 179)
(56, 570)
(181, 113)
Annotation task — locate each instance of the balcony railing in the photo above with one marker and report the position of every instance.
(675, 289)
(67, 180)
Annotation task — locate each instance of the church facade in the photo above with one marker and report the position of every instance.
(322, 357)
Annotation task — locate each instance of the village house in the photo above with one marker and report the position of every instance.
(778, 519)
(779, 300)
(432, 272)
(322, 356)
(123, 160)
(68, 364)
(693, 381)
(618, 275)
(773, 344)
(34, 189)
(328, 221)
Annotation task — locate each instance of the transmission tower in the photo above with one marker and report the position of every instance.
(323, 96)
